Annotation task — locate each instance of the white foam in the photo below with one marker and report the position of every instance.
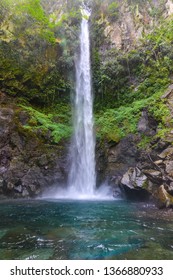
(103, 193)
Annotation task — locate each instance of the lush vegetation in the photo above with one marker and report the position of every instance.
(49, 126)
(35, 56)
(125, 82)
(39, 40)
(116, 124)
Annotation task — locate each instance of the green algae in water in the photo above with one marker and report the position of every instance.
(82, 230)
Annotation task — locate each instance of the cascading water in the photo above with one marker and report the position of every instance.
(82, 179)
(82, 176)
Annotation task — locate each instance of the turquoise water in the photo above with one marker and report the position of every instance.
(83, 230)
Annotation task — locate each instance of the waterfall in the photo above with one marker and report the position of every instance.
(82, 179)
(82, 175)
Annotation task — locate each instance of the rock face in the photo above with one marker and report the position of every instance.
(141, 173)
(134, 21)
(28, 164)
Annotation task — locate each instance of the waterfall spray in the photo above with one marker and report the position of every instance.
(82, 179)
(82, 175)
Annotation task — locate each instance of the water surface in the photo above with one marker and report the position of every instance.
(83, 230)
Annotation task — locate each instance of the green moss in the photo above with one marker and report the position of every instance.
(121, 77)
(145, 141)
(114, 124)
(45, 124)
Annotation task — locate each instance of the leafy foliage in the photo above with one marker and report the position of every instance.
(114, 124)
(125, 77)
(36, 52)
(113, 11)
(39, 40)
(49, 125)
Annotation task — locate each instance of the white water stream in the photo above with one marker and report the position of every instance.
(82, 178)
(82, 175)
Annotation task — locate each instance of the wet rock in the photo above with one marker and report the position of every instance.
(166, 153)
(135, 184)
(161, 145)
(43, 161)
(1, 185)
(134, 178)
(134, 169)
(5, 156)
(158, 162)
(25, 193)
(147, 124)
(3, 169)
(143, 124)
(169, 168)
(18, 189)
(10, 186)
(113, 160)
(121, 156)
(163, 198)
(170, 188)
(33, 188)
(155, 176)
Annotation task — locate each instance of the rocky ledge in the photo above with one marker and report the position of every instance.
(141, 173)
(28, 163)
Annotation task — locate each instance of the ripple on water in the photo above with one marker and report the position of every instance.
(82, 230)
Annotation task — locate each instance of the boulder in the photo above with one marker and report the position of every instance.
(143, 124)
(120, 157)
(25, 193)
(169, 188)
(146, 125)
(154, 176)
(169, 168)
(18, 189)
(135, 184)
(163, 198)
(10, 186)
(167, 153)
(134, 178)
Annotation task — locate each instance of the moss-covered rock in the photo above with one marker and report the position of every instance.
(29, 161)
